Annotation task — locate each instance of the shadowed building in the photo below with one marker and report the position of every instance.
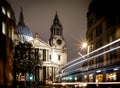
(103, 23)
(7, 21)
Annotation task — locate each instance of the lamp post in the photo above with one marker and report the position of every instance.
(83, 48)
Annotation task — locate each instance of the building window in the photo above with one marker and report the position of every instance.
(110, 37)
(59, 57)
(12, 35)
(50, 57)
(111, 58)
(91, 47)
(91, 64)
(91, 36)
(8, 14)
(99, 78)
(107, 59)
(10, 31)
(99, 61)
(111, 77)
(99, 44)
(54, 31)
(91, 78)
(3, 28)
(57, 31)
(3, 10)
(98, 30)
(44, 55)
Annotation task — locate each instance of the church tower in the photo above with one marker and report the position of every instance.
(57, 42)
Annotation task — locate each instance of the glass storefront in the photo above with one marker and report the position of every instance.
(91, 78)
(99, 78)
(111, 77)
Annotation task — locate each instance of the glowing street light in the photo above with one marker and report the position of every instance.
(84, 45)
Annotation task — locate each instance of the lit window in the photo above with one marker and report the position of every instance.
(3, 28)
(111, 77)
(3, 10)
(12, 33)
(8, 14)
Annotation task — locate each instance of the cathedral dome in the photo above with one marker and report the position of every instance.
(23, 32)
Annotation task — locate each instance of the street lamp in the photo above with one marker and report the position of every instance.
(83, 47)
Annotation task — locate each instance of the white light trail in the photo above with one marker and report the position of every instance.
(93, 51)
(92, 57)
(84, 68)
(78, 83)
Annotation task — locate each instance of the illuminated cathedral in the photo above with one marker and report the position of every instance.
(52, 54)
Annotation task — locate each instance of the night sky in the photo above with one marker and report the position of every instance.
(39, 15)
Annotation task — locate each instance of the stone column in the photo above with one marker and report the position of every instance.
(37, 74)
(40, 74)
(53, 73)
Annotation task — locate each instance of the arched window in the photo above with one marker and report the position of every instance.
(3, 10)
(3, 28)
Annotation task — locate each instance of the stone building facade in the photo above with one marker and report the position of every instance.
(52, 55)
(103, 23)
(7, 21)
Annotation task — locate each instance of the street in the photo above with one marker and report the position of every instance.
(77, 86)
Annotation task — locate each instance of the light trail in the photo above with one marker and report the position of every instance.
(92, 57)
(83, 69)
(82, 83)
(93, 51)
